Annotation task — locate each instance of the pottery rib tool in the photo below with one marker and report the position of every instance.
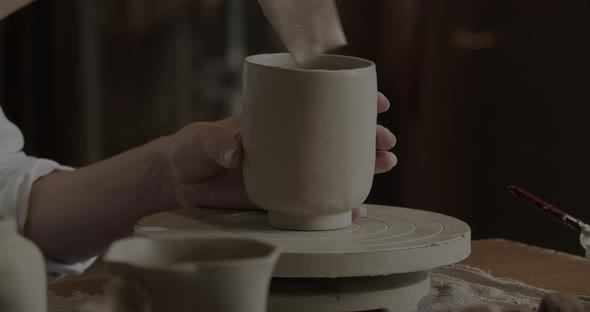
(306, 27)
(550, 210)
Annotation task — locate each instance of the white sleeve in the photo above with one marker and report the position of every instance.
(17, 174)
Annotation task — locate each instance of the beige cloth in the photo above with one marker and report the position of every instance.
(306, 27)
(453, 288)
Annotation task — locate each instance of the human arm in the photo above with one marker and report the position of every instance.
(74, 215)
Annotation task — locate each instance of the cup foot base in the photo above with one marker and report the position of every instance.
(310, 223)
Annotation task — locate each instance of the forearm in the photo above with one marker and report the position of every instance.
(75, 215)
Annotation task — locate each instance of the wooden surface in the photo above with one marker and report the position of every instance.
(502, 258)
(532, 265)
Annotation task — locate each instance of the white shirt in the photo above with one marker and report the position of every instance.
(17, 174)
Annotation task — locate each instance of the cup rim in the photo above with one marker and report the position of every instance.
(354, 66)
(267, 255)
(8, 222)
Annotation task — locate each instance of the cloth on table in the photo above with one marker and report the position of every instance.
(457, 287)
(453, 288)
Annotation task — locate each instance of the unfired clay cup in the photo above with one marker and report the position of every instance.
(23, 279)
(185, 274)
(309, 138)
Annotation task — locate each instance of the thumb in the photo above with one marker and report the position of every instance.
(224, 146)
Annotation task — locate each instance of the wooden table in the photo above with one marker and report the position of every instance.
(502, 258)
(532, 265)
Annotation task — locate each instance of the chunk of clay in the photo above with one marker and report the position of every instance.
(555, 302)
(560, 302)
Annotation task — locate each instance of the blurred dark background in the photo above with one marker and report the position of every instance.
(484, 93)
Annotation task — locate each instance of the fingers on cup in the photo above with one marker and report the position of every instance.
(382, 103)
(384, 161)
(358, 213)
(217, 193)
(385, 139)
(231, 154)
(223, 146)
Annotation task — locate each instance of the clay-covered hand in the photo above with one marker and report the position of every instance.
(205, 161)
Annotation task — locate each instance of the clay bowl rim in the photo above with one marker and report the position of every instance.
(270, 255)
(8, 220)
(257, 61)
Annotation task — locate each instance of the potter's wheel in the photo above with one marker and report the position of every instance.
(381, 257)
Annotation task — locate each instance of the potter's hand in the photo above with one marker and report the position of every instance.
(384, 160)
(196, 167)
(205, 160)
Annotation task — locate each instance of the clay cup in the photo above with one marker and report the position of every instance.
(185, 274)
(309, 138)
